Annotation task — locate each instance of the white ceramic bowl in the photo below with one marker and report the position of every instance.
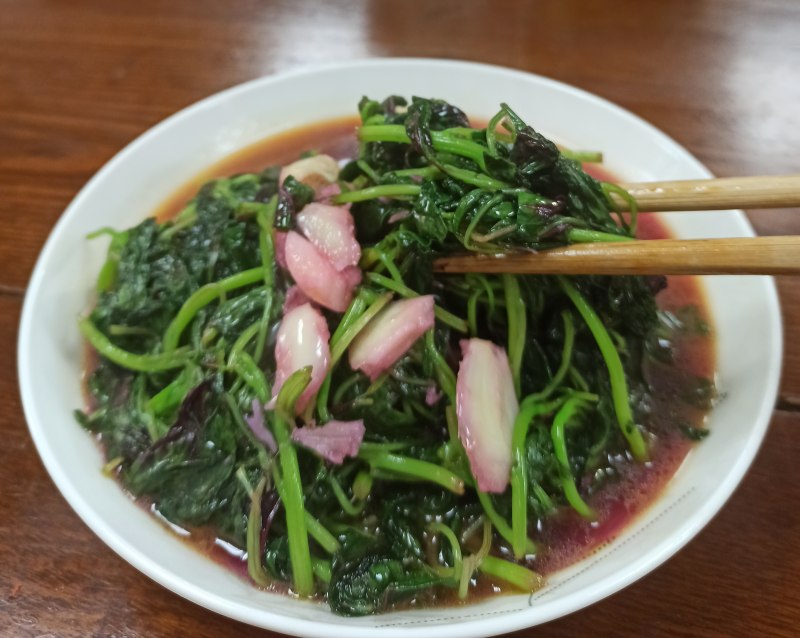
(131, 185)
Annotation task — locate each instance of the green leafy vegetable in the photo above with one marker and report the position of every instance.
(182, 395)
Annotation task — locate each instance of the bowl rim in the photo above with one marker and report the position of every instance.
(485, 626)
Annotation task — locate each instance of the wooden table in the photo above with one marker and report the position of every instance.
(79, 80)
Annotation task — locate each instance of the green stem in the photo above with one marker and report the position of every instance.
(344, 501)
(345, 386)
(444, 374)
(319, 533)
(415, 468)
(340, 345)
(529, 409)
(172, 395)
(467, 203)
(322, 569)
(516, 575)
(183, 219)
(491, 131)
(374, 192)
(201, 298)
(475, 179)
(455, 548)
(586, 236)
(472, 311)
(384, 133)
(245, 366)
(351, 315)
(293, 500)
(353, 312)
(116, 330)
(476, 218)
(390, 266)
(110, 468)
(594, 157)
(265, 460)
(323, 412)
(139, 362)
(481, 284)
(254, 566)
(566, 358)
(558, 434)
(517, 325)
(368, 171)
(362, 485)
(500, 524)
(473, 562)
(616, 372)
(633, 207)
(543, 497)
(425, 172)
(265, 219)
(242, 340)
(263, 326)
(108, 273)
(443, 141)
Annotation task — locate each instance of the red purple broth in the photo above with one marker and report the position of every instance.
(566, 536)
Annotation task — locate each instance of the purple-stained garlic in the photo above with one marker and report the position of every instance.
(332, 232)
(316, 171)
(486, 406)
(317, 277)
(333, 441)
(302, 341)
(390, 334)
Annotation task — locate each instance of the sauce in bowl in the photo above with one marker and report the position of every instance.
(627, 487)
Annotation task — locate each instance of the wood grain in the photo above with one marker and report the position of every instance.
(79, 80)
(731, 256)
(764, 191)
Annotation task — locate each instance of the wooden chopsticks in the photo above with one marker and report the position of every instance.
(768, 191)
(738, 255)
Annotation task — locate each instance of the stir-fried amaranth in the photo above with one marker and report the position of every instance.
(278, 364)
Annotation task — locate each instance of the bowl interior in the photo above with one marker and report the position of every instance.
(745, 311)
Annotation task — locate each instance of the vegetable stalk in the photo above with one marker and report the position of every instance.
(407, 466)
(202, 297)
(254, 566)
(293, 499)
(619, 385)
(176, 358)
(529, 409)
(558, 434)
(517, 322)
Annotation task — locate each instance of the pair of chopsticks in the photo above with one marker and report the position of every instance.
(736, 255)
